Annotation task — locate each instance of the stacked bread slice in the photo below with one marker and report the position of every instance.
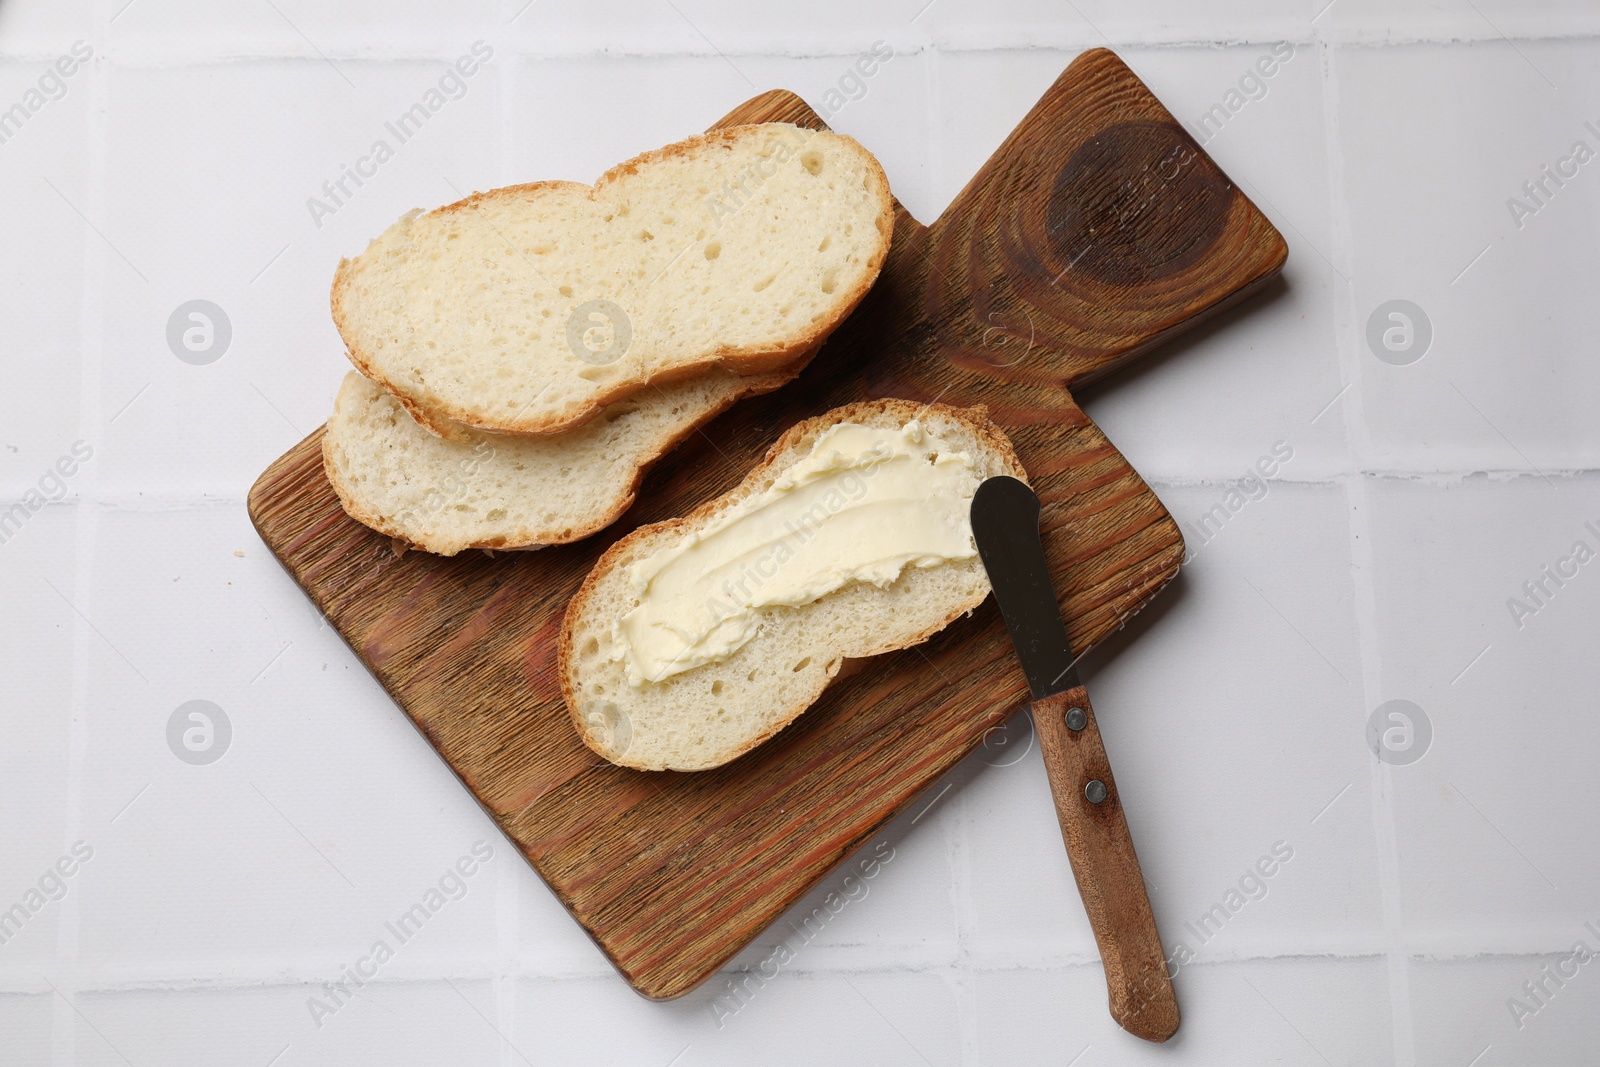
(474, 489)
(525, 354)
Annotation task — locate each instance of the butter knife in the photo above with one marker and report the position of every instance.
(1005, 524)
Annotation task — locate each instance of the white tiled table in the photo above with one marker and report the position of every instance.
(218, 899)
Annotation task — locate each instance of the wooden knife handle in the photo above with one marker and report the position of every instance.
(1105, 866)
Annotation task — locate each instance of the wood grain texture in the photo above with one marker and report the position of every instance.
(1061, 258)
(1106, 868)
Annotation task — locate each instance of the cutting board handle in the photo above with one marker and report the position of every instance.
(1095, 231)
(1105, 866)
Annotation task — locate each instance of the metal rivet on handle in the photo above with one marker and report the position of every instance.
(1076, 718)
(1095, 791)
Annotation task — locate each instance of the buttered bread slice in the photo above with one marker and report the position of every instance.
(694, 640)
(531, 308)
(471, 489)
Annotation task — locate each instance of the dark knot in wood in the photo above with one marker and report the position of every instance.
(1136, 202)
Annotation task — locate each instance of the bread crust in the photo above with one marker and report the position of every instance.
(975, 419)
(745, 361)
(428, 419)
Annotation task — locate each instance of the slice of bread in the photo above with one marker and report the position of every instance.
(529, 309)
(707, 715)
(472, 489)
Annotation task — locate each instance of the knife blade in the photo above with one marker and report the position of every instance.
(1005, 525)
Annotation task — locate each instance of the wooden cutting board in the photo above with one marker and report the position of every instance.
(1098, 230)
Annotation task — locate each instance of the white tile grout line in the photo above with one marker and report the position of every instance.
(295, 973)
(359, 48)
(507, 913)
(64, 1028)
(958, 832)
(963, 977)
(224, 495)
(1365, 607)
